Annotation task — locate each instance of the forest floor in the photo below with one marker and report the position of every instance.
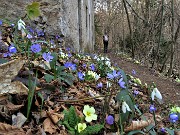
(168, 88)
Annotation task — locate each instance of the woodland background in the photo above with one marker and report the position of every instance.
(148, 30)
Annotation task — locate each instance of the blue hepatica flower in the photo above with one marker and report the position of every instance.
(110, 120)
(121, 83)
(84, 65)
(35, 48)
(152, 108)
(81, 76)
(135, 92)
(5, 55)
(12, 24)
(173, 117)
(40, 33)
(29, 36)
(113, 75)
(92, 66)
(70, 65)
(12, 49)
(163, 130)
(99, 85)
(1, 22)
(47, 56)
(133, 72)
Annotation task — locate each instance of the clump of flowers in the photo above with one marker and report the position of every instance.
(89, 113)
(92, 76)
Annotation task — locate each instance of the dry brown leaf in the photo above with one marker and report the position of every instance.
(177, 132)
(135, 125)
(6, 129)
(8, 72)
(11, 107)
(48, 126)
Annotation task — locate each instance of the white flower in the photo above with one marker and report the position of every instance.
(108, 84)
(125, 107)
(97, 77)
(156, 93)
(21, 25)
(108, 63)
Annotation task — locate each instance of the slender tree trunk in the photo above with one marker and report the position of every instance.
(123, 33)
(130, 29)
(160, 34)
(172, 38)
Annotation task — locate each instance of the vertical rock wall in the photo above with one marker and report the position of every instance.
(58, 17)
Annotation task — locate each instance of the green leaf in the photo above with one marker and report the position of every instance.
(48, 78)
(135, 132)
(73, 118)
(120, 96)
(33, 10)
(92, 129)
(66, 124)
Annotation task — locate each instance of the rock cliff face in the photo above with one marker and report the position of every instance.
(72, 18)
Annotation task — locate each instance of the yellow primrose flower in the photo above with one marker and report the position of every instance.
(81, 127)
(138, 81)
(89, 112)
(175, 109)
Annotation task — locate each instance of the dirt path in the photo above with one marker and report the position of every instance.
(170, 90)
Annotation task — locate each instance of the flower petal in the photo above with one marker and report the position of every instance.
(88, 119)
(153, 94)
(158, 94)
(94, 116)
(123, 107)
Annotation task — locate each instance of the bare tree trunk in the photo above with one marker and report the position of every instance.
(130, 29)
(160, 34)
(172, 38)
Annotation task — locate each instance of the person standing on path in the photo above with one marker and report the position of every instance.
(105, 42)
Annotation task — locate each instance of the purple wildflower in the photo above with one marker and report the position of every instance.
(12, 24)
(29, 36)
(152, 108)
(121, 83)
(47, 56)
(99, 85)
(12, 49)
(110, 120)
(163, 130)
(84, 65)
(135, 92)
(92, 66)
(5, 55)
(40, 33)
(173, 117)
(35, 48)
(133, 72)
(114, 74)
(1, 22)
(70, 65)
(57, 36)
(81, 76)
